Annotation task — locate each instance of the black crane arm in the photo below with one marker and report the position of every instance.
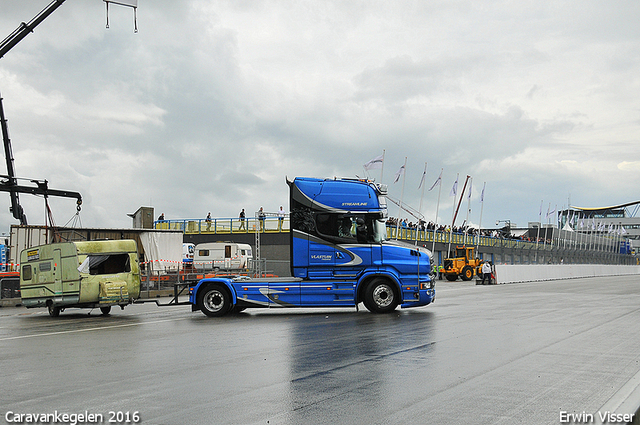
(41, 188)
(21, 32)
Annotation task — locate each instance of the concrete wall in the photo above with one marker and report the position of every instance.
(506, 273)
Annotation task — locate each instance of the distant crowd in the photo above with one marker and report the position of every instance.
(422, 226)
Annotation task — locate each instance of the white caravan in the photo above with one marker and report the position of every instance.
(213, 256)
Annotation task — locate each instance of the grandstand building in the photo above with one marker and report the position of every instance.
(616, 221)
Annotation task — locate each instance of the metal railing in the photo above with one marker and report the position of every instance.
(282, 224)
(573, 247)
(220, 226)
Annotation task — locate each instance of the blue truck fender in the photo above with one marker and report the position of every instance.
(369, 276)
(203, 283)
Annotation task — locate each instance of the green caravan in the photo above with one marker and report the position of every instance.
(86, 274)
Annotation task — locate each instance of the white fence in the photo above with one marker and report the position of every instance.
(506, 273)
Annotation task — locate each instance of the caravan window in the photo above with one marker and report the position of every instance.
(203, 252)
(227, 251)
(109, 264)
(26, 272)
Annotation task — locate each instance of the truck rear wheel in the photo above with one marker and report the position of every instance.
(214, 300)
(379, 296)
(467, 273)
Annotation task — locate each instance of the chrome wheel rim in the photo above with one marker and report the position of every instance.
(383, 295)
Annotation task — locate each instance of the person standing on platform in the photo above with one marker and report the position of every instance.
(242, 220)
(261, 218)
(281, 215)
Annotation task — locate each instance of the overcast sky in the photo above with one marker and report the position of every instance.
(213, 103)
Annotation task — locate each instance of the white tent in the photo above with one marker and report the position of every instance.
(163, 251)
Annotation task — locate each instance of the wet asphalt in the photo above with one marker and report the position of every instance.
(500, 354)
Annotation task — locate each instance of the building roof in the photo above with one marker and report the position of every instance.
(606, 208)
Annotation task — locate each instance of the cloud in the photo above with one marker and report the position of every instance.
(210, 105)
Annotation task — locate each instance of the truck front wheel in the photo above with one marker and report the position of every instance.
(379, 296)
(214, 300)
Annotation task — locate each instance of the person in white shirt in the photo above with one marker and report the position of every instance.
(281, 215)
(486, 272)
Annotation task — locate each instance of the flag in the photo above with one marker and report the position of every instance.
(374, 164)
(550, 213)
(399, 174)
(482, 193)
(424, 174)
(438, 181)
(454, 189)
(540, 214)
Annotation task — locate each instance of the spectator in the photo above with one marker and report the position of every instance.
(281, 215)
(486, 272)
(242, 220)
(261, 218)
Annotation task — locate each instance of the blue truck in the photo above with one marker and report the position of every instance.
(340, 257)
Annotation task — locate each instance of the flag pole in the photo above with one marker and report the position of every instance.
(401, 196)
(539, 226)
(435, 223)
(382, 168)
(552, 232)
(480, 222)
(424, 175)
(453, 210)
(468, 209)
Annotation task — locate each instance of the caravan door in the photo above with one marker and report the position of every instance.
(57, 276)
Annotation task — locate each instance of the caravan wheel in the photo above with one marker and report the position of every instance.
(54, 311)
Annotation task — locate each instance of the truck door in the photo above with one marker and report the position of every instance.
(322, 252)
